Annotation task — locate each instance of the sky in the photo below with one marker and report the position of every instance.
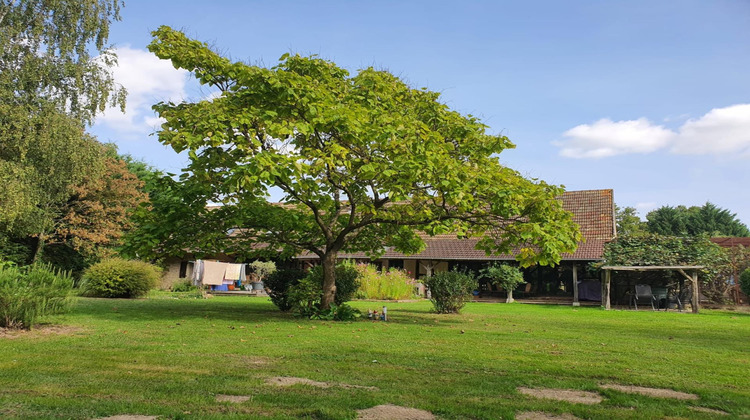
(648, 98)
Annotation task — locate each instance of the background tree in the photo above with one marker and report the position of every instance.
(45, 56)
(51, 153)
(50, 88)
(692, 221)
(99, 211)
(363, 162)
(628, 221)
(505, 276)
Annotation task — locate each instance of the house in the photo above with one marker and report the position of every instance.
(593, 211)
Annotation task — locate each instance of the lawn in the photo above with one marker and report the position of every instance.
(171, 357)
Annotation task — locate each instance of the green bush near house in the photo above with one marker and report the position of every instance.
(347, 281)
(31, 292)
(120, 278)
(279, 284)
(305, 297)
(393, 284)
(745, 282)
(184, 286)
(505, 276)
(450, 290)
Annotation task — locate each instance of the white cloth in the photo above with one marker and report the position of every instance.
(197, 273)
(213, 272)
(233, 272)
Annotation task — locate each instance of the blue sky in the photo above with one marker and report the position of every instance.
(649, 98)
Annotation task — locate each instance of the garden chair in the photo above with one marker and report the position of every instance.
(643, 293)
(523, 292)
(685, 296)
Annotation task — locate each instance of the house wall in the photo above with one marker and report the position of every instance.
(411, 267)
(171, 273)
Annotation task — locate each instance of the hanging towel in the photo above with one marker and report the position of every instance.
(213, 272)
(197, 273)
(233, 272)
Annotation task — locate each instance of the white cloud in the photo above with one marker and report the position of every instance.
(722, 131)
(609, 138)
(148, 80)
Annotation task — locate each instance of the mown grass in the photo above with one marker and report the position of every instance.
(170, 357)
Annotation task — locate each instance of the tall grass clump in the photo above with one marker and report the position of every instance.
(120, 278)
(393, 284)
(32, 292)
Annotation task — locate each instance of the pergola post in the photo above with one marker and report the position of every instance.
(696, 293)
(575, 286)
(605, 290)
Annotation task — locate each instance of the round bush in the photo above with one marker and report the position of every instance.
(745, 282)
(450, 290)
(120, 278)
(279, 284)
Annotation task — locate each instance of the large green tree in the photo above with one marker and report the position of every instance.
(363, 161)
(628, 221)
(691, 221)
(46, 55)
(51, 86)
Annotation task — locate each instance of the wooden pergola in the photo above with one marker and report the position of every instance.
(682, 269)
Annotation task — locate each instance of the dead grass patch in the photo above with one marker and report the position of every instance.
(393, 412)
(289, 381)
(569, 395)
(40, 331)
(651, 392)
(128, 417)
(538, 415)
(232, 398)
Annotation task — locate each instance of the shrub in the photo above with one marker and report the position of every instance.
(450, 290)
(393, 284)
(279, 284)
(305, 297)
(119, 278)
(505, 276)
(26, 294)
(184, 286)
(347, 281)
(745, 282)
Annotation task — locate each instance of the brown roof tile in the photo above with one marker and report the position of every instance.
(731, 242)
(593, 210)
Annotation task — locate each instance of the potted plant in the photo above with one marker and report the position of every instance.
(261, 270)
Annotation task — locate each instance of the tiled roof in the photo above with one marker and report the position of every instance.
(593, 210)
(731, 242)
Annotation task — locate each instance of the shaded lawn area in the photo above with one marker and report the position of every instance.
(170, 357)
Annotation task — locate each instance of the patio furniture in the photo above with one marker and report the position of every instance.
(684, 296)
(660, 295)
(643, 293)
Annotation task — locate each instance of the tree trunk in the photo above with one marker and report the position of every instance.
(38, 249)
(329, 280)
(509, 299)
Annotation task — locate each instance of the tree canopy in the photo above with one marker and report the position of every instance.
(45, 55)
(628, 221)
(51, 87)
(692, 221)
(363, 162)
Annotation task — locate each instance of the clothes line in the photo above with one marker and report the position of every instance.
(216, 273)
